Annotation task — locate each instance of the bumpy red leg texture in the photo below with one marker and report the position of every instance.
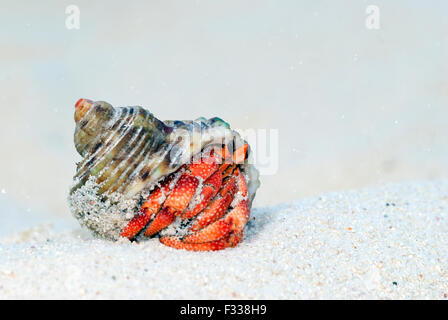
(182, 193)
(176, 202)
(234, 221)
(212, 232)
(149, 208)
(210, 189)
(218, 206)
(240, 214)
(214, 227)
(223, 233)
(230, 241)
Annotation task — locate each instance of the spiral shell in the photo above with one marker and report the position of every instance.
(126, 152)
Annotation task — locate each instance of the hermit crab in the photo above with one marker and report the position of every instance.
(189, 183)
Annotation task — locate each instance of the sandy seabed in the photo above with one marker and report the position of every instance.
(383, 242)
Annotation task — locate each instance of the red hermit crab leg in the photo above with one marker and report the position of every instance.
(175, 204)
(223, 233)
(230, 241)
(213, 184)
(210, 189)
(182, 193)
(149, 208)
(215, 228)
(233, 222)
(218, 206)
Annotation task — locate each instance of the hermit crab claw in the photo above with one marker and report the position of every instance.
(128, 185)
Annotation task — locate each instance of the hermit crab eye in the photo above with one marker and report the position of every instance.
(127, 157)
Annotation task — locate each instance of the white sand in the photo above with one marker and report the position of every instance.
(385, 242)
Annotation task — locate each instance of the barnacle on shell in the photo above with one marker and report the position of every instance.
(127, 153)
